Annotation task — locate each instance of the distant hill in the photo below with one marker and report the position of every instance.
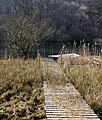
(74, 20)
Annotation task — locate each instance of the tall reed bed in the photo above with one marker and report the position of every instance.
(86, 75)
(21, 93)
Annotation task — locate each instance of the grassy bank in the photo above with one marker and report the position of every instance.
(21, 93)
(86, 76)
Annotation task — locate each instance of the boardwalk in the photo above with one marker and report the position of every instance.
(63, 102)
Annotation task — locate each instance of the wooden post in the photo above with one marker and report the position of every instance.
(61, 58)
(6, 53)
(38, 57)
(84, 49)
(88, 49)
(62, 52)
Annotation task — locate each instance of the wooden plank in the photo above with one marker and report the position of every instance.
(72, 119)
(75, 115)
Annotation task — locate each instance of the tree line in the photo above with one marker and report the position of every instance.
(28, 23)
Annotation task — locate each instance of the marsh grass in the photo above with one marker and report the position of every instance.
(86, 75)
(21, 93)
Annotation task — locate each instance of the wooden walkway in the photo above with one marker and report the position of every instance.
(63, 102)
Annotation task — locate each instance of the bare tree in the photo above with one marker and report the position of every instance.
(24, 34)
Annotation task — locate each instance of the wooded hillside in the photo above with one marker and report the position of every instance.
(74, 20)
